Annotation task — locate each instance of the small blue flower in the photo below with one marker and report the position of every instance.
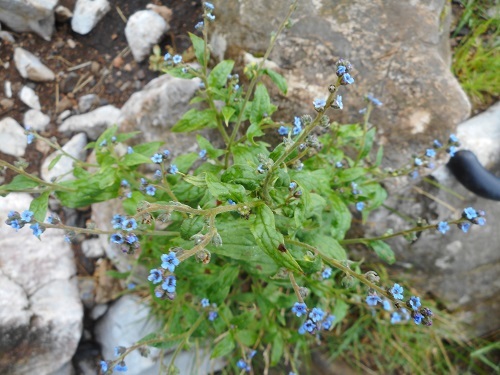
(212, 315)
(166, 154)
(464, 227)
(319, 104)
(177, 59)
(308, 326)
(199, 26)
(414, 175)
(167, 56)
(231, 202)
(386, 304)
(373, 100)
(12, 214)
(437, 144)
(414, 302)
(131, 238)
(293, 185)
(16, 224)
(104, 366)
(316, 314)
(337, 104)
(347, 79)
(418, 162)
(452, 150)
(242, 364)
(299, 309)
(205, 302)
(157, 158)
(362, 111)
(236, 87)
(297, 126)
(170, 261)
(341, 70)
(299, 166)
(430, 153)
(150, 190)
(327, 323)
(37, 229)
(260, 169)
(201, 86)
(443, 227)
(129, 224)
(480, 221)
(124, 183)
(103, 143)
(360, 206)
(339, 164)
(283, 130)
(208, 6)
(210, 17)
(27, 216)
(470, 213)
(113, 139)
(373, 299)
(185, 70)
(296, 130)
(173, 169)
(252, 354)
(170, 284)
(30, 138)
(453, 138)
(121, 367)
(395, 318)
(417, 318)
(202, 154)
(117, 221)
(397, 291)
(130, 150)
(117, 238)
(119, 350)
(157, 174)
(155, 276)
(327, 273)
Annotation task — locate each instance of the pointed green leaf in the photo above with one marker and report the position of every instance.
(218, 76)
(224, 191)
(199, 48)
(19, 183)
(39, 206)
(383, 250)
(195, 119)
(223, 347)
(243, 175)
(55, 161)
(227, 113)
(278, 80)
(261, 104)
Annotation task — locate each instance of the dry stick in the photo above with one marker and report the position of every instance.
(85, 83)
(120, 13)
(79, 66)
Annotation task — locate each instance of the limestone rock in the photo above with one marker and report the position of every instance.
(144, 29)
(76, 148)
(30, 66)
(29, 15)
(87, 13)
(88, 102)
(92, 123)
(40, 311)
(399, 50)
(12, 138)
(29, 97)
(36, 120)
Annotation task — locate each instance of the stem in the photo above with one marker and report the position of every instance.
(166, 185)
(365, 127)
(208, 237)
(174, 206)
(99, 231)
(296, 288)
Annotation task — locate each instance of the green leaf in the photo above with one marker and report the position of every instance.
(223, 347)
(246, 337)
(227, 113)
(327, 246)
(270, 240)
(338, 216)
(261, 105)
(39, 206)
(278, 80)
(383, 250)
(340, 310)
(218, 76)
(224, 191)
(185, 162)
(135, 158)
(350, 174)
(19, 183)
(254, 131)
(191, 226)
(242, 174)
(249, 155)
(277, 350)
(226, 276)
(55, 161)
(195, 119)
(107, 178)
(147, 149)
(212, 152)
(199, 48)
(380, 154)
(367, 146)
(198, 181)
(310, 263)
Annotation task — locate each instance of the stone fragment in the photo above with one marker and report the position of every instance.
(144, 29)
(30, 66)
(92, 248)
(6, 105)
(93, 123)
(63, 14)
(29, 97)
(13, 140)
(7, 88)
(63, 168)
(87, 14)
(88, 102)
(36, 120)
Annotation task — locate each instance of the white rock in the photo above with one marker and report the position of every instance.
(39, 306)
(87, 13)
(98, 311)
(30, 66)
(36, 120)
(29, 97)
(92, 248)
(13, 141)
(7, 88)
(144, 29)
(87, 102)
(76, 148)
(92, 123)
(29, 15)
(63, 14)
(63, 116)
(7, 37)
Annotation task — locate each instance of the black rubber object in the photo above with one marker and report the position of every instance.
(471, 174)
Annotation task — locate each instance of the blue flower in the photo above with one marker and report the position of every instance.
(170, 284)
(397, 291)
(327, 323)
(341, 70)
(464, 227)
(231, 202)
(103, 143)
(414, 302)
(199, 26)
(104, 366)
(252, 354)
(260, 168)
(201, 85)
(337, 104)
(430, 153)
(414, 174)
(143, 181)
(113, 139)
(208, 6)
(170, 261)
(319, 104)
(150, 190)
(480, 221)
(470, 213)
(173, 169)
(373, 100)
(360, 206)
(124, 183)
(177, 59)
(443, 227)
(121, 367)
(308, 326)
(205, 302)
(241, 364)
(212, 315)
(437, 144)
(293, 185)
(347, 79)
(37, 229)
(131, 238)
(155, 276)
(117, 221)
(283, 130)
(339, 164)
(129, 224)
(327, 273)
(166, 153)
(299, 166)
(373, 299)
(157, 158)
(119, 350)
(167, 56)
(418, 162)
(296, 130)
(386, 304)
(27, 216)
(316, 314)
(395, 318)
(211, 17)
(453, 138)
(452, 150)
(185, 70)
(117, 238)
(236, 87)
(299, 309)
(417, 318)
(16, 224)
(202, 154)
(30, 138)
(297, 126)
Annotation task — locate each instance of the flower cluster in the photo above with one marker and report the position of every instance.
(212, 313)
(245, 364)
(164, 276)
(119, 367)
(18, 220)
(296, 129)
(317, 320)
(344, 68)
(470, 215)
(125, 237)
